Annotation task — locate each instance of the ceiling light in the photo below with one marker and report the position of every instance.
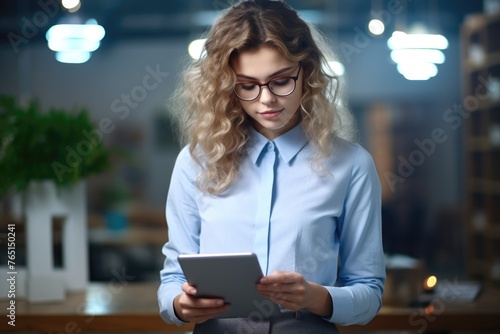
(76, 41)
(70, 4)
(75, 9)
(418, 55)
(401, 40)
(337, 68)
(88, 31)
(196, 48)
(72, 57)
(417, 71)
(376, 27)
(72, 44)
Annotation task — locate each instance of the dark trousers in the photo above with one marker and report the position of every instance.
(287, 322)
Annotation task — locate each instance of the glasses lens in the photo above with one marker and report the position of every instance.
(283, 86)
(247, 91)
(279, 87)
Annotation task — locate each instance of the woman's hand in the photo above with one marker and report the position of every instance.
(189, 308)
(293, 292)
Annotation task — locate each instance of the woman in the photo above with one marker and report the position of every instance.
(266, 171)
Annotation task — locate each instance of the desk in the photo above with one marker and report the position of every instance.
(128, 307)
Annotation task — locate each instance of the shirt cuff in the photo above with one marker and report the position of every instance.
(342, 301)
(166, 296)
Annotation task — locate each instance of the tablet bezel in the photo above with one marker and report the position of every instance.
(231, 276)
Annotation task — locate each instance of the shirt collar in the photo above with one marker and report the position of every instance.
(288, 144)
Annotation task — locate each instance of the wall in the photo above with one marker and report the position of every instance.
(100, 85)
(120, 68)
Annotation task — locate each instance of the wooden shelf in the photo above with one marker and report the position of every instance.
(482, 176)
(488, 104)
(477, 23)
(491, 60)
(132, 236)
(493, 232)
(480, 144)
(484, 185)
(145, 227)
(492, 187)
(477, 267)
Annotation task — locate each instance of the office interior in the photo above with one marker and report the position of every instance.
(433, 131)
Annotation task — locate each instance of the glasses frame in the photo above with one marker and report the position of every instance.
(295, 78)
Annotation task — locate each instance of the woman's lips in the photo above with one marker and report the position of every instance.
(270, 114)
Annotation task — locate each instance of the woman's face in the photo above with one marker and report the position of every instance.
(271, 115)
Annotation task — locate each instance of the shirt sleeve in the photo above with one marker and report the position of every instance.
(357, 296)
(183, 232)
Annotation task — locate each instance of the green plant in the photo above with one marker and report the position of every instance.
(57, 145)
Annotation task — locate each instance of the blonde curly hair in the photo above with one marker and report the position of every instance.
(210, 117)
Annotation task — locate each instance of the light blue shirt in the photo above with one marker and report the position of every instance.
(326, 226)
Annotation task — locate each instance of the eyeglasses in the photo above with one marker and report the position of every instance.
(249, 91)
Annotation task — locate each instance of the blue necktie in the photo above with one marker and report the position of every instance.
(262, 222)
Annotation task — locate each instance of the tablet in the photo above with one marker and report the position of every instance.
(232, 277)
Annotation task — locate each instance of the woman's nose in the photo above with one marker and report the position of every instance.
(266, 96)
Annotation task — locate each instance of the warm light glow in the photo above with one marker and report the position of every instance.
(76, 8)
(70, 4)
(401, 40)
(430, 282)
(376, 27)
(337, 68)
(196, 48)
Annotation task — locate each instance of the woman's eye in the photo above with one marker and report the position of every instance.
(281, 82)
(247, 86)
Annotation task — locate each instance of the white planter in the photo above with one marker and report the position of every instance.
(42, 202)
(16, 206)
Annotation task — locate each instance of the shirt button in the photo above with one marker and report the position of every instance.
(270, 146)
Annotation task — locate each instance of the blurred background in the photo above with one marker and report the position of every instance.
(431, 122)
